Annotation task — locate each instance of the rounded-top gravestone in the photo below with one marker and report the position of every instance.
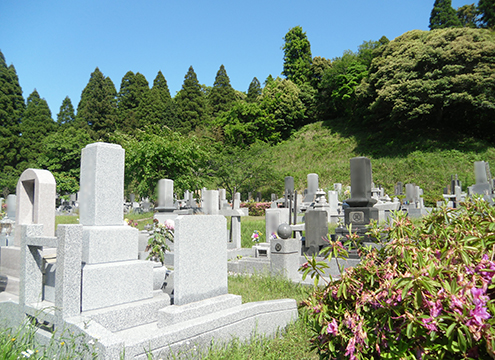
(284, 231)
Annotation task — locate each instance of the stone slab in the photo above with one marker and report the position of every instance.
(116, 283)
(109, 243)
(179, 313)
(200, 258)
(125, 316)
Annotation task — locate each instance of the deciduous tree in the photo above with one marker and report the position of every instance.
(487, 13)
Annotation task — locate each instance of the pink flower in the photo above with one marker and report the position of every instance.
(351, 348)
(430, 324)
(333, 328)
(169, 224)
(479, 314)
(436, 309)
(478, 296)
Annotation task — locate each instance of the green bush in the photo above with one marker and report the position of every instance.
(427, 294)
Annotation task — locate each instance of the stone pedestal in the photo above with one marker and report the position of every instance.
(284, 257)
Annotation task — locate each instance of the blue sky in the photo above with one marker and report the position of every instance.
(56, 44)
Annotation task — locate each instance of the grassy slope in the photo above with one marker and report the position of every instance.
(317, 148)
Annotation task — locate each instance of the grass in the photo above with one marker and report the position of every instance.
(141, 219)
(290, 344)
(324, 149)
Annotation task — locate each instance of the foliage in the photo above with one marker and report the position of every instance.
(256, 208)
(133, 90)
(157, 244)
(443, 80)
(486, 9)
(468, 15)
(428, 293)
(37, 123)
(244, 169)
(297, 56)
(66, 115)
(61, 154)
(222, 95)
(443, 15)
(318, 68)
(97, 109)
(245, 123)
(191, 103)
(254, 90)
(156, 154)
(282, 98)
(157, 107)
(11, 110)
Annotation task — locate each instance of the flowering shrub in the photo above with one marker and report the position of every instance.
(256, 209)
(157, 244)
(427, 294)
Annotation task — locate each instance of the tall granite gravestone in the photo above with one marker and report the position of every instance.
(316, 225)
(360, 210)
(211, 202)
(312, 188)
(111, 273)
(166, 206)
(482, 186)
(11, 206)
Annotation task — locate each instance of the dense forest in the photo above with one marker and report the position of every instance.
(424, 86)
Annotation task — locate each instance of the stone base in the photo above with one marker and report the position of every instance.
(121, 243)
(110, 284)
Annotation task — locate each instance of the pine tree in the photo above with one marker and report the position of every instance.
(254, 90)
(191, 103)
(486, 9)
(297, 56)
(443, 15)
(66, 115)
(222, 94)
(133, 90)
(97, 109)
(37, 123)
(11, 110)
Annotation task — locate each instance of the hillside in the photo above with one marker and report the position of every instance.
(319, 148)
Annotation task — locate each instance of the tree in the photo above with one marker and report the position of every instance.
(61, 154)
(157, 107)
(37, 123)
(318, 68)
(337, 97)
(245, 123)
(297, 56)
(269, 79)
(281, 98)
(11, 110)
(245, 169)
(155, 154)
(443, 15)
(254, 90)
(97, 110)
(468, 15)
(222, 94)
(438, 82)
(191, 103)
(133, 90)
(486, 9)
(66, 115)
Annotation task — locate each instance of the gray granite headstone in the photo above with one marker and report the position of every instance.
(312, 187)
(200, 259)
(165, 195)
(11, 206)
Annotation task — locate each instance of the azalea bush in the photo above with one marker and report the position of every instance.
(428, 293)
(256, 208)
(157, 243)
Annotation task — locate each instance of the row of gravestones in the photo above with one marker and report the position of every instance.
(104, 293)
